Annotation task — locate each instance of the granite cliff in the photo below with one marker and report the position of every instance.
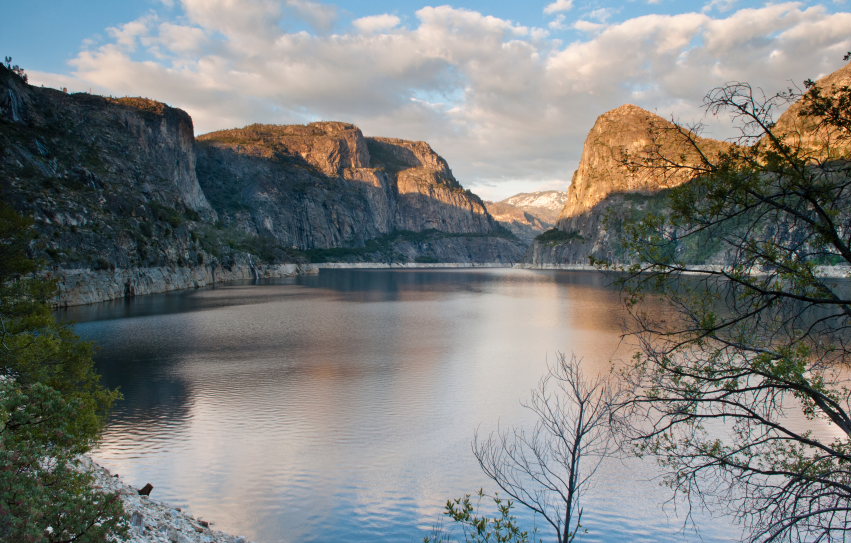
(607, 184)
(326, 189)
(607, 191)
(126, 201)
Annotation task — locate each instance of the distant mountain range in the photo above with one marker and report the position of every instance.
(528, 214)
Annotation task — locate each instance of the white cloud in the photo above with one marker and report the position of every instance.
(558, 23)
(602, 14)
(321, 16)
(128, 34)
(503, 103)
(720, 5)
(588, 26)
(376, 23)
(558, 6)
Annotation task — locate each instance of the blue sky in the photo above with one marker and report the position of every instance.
(505, 91)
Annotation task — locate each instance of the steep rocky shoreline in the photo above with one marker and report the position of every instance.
(85, 286)
(153, 521)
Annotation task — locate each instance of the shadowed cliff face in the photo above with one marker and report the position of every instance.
(109, 182)
(325, 185)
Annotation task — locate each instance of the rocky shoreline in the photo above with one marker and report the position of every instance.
(152, 521)
(85, 286)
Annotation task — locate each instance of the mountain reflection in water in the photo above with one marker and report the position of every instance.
(341, 406)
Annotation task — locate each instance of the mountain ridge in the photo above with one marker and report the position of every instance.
(126, 200)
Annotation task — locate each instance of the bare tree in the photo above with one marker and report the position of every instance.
(548, 468)
(745, 393)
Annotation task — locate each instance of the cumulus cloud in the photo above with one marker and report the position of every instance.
(321, 16)
(376, 23)
(720, 5)
(507, 105)
(558, 23)
(558, 6)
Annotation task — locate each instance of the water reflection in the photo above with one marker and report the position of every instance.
(341, 406)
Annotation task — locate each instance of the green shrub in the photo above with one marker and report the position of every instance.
(52, 408)
(554, 236)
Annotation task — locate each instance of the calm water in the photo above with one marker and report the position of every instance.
(341, 407)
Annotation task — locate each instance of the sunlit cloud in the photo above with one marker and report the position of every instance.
(508, 105)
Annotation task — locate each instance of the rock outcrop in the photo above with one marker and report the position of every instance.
(619, 139)
(120, 190)
(612, 185)
(608, 191)
(801, 131)
(325, 185)
(153, 521)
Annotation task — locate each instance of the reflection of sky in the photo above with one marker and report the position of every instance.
(342, 408)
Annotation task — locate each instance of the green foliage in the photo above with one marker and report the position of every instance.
(554, 236)
(52, 408)
(383, 249)
(477, 527)
(166, 214)
(43, 496)
(761, 335)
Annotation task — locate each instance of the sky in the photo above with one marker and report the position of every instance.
(505, 91)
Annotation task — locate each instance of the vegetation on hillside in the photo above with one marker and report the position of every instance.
(52, 408)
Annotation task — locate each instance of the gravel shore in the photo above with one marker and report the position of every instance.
(152, 521)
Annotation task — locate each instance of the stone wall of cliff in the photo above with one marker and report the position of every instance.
(120, 187)
(110, 183)
(325, 185)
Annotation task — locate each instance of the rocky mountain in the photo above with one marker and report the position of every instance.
(127, 201)
(608, 191)
(608, 183)
(326, 186)
(545, 204)
(802, 131)
(528, 214)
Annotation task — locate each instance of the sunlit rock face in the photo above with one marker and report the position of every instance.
(619, 138)
(607, 189)
(804, 132)
(326, 185)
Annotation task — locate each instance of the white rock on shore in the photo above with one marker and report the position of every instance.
(152, 521)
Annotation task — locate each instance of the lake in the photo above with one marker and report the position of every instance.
(341, 406)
